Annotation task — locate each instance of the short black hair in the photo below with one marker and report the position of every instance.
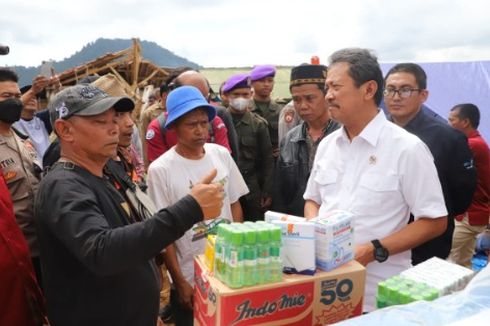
(163, 89)
(468, 111)
(7, 74)
(363, 67)
(411, 68)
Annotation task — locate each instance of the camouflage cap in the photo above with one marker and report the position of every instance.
(85, 100)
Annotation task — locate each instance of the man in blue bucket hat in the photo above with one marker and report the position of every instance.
(176, 171)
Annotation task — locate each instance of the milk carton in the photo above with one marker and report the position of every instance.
(298, 246)
(334, 239)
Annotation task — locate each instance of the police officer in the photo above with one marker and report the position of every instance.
(18, 160)
(255, 149)
(262, 79)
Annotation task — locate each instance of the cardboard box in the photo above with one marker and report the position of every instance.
(270, 216)
(321, 299)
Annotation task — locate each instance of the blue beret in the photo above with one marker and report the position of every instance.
(236, 81)
(259, 72)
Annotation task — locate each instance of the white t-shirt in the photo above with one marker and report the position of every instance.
(381, 176)
(37, 133)
(171, 176)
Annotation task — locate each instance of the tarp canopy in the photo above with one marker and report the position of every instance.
(451, 83)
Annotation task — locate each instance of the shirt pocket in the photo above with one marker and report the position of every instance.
(327, 183)
(375, 191)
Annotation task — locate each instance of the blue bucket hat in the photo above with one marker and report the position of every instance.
(183, 100)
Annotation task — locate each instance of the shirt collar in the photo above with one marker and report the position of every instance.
(371, 132)
(474, 133)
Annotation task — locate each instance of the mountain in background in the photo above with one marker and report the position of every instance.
(149, 50)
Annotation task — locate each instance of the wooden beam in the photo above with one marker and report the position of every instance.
(136, 64)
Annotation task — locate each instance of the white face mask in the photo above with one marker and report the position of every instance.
(239, 103)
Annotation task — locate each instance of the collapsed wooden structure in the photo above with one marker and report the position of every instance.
(129, 67)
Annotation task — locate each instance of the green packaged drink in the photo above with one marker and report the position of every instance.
(382, 295)
(250, 256)
(275, 254)
(219, 252)
(263, 247)
(235, 258)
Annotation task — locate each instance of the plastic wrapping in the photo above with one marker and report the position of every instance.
(474, 299)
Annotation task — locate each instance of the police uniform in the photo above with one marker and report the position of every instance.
(21, 170)
(151, 113)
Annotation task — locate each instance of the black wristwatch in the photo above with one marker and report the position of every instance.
(381, 254)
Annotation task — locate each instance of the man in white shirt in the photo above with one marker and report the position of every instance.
(176, 171)
(376, 170)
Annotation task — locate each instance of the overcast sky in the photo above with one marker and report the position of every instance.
(224, 33)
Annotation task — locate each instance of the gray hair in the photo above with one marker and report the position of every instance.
(363, 67)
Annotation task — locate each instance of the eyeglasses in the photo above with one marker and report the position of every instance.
(404, 92)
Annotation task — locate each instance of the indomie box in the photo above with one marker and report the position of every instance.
(325, 298)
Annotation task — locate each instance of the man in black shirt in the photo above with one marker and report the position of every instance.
(298, 147)
(99, 267)
(405, 92)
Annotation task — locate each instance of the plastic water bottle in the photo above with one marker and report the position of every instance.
(250, 256)
(235, 258)
(275, 254)
(219, 252)
(263, 247)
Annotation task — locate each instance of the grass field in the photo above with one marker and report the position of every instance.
(216, 76)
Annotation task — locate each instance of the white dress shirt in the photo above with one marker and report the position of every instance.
(382, 176)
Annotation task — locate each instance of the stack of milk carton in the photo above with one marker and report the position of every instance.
(325, 242)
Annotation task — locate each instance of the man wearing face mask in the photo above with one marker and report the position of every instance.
(18, 160)
(255, 159)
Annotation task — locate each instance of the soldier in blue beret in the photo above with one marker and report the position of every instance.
(255, 159)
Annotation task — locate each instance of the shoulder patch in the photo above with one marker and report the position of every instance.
(9, 175)
(150, 134)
